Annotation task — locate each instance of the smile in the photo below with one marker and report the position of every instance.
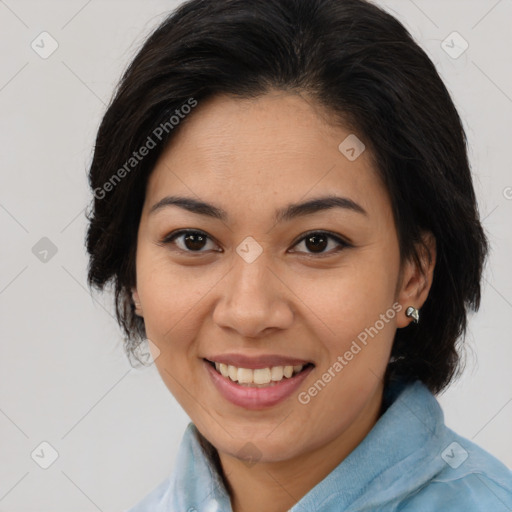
(258, 377)
(256, 388)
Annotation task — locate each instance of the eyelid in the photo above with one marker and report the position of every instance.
(169, 239)
(342, 244)
(341, 240)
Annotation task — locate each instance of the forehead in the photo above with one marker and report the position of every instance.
(269, 150)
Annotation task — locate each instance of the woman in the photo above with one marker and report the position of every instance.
(284, 204)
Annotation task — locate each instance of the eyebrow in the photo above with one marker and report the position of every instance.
(283, 214)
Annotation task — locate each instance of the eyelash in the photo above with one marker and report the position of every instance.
(342, 244)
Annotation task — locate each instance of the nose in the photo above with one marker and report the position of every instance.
(254, 300)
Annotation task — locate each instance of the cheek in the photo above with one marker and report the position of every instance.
(354, 299)
(169, 301)
(165, 295)
(358, 325)
(167, 312)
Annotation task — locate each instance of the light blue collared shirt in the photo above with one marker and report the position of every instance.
(409, 462)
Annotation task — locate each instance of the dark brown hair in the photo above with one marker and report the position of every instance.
(362, 65)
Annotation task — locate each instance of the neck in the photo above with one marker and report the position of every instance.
(277, 486)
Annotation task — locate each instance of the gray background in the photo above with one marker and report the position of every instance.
(64, 377)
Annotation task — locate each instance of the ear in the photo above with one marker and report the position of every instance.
(136, 301)
(415, 281)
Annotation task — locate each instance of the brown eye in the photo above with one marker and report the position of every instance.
(194, 241)
(190, 241)
(317, 241)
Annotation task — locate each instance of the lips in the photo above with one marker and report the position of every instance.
(258, 382)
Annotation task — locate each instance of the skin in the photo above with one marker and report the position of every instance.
(251, 157)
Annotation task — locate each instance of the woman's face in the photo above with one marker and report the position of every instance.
(256, 290)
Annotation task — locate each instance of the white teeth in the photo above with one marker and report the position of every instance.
(288, 371)
(261, 376)
(276, 373)
(224, 369)
(258, 376)
(245, 376)
(233, 372)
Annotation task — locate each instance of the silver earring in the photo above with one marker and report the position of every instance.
(413, 313)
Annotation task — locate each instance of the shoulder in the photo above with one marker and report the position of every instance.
(471, 480)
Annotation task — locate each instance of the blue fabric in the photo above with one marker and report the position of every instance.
(409, 462)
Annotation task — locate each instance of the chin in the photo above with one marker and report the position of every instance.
(261, 445)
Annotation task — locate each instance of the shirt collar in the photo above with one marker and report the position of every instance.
(412, 424)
